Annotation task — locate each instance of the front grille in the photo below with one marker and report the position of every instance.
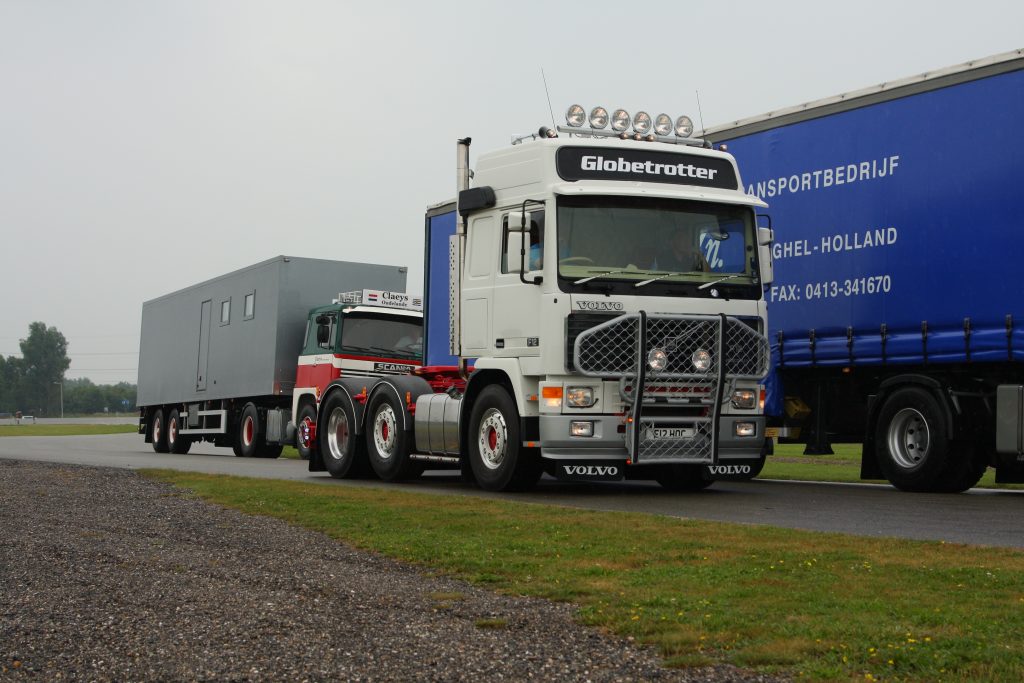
(575, 323)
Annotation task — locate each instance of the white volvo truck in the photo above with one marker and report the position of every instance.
(594, 309)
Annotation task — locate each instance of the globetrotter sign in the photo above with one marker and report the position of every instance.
(593, 163)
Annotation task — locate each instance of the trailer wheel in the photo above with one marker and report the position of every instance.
(910, 440)
(157, 431)
(682, 478)
(249, 432)
(176, 443)
(496, 453)
(387, 444)
(306, 412)
(340, 447)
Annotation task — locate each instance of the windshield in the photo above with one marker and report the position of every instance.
(641, 241)
(381, 335)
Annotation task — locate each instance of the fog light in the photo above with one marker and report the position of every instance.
(745, 428)
(744, 398)
(581, 428)
(701, 360)
(657, 360)
(579, 397)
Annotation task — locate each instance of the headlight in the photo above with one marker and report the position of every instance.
(575, 116)
(744, 398)
(657, 360)
(579, 397)
(663, 124)
(598, 118)
(701, 360)
(642, 122)
(620, 120)
(684, 127)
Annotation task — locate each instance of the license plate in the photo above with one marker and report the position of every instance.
(670, 433)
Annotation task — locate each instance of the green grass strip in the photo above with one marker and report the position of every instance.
(818, 606)
(65, 430)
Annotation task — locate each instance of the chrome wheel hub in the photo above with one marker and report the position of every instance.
(338, 434)
(908, 438)
(384, 428)
(492, 439)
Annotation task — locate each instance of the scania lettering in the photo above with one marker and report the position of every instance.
(580, 320)
(897, 315)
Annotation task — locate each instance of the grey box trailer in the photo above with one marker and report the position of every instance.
(210, 350)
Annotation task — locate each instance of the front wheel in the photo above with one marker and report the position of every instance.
(496, 453)
(307, 414)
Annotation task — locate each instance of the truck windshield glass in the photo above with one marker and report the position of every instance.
(381, 335)
(643, 240)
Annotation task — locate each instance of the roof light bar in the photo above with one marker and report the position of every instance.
(641, 126)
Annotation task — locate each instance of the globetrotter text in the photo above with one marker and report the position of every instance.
(620, 165)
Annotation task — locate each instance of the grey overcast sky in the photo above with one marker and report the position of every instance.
(146, 145)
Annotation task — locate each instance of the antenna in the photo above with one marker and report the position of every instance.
(546, 92)
(700, 114)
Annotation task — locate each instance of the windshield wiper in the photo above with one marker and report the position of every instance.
(662, 277)
(610, 272)
(723, 279)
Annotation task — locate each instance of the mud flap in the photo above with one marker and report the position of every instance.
(733, 470)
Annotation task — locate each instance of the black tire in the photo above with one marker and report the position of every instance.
(496, 453)
(176, 443)
(388, 445)
(682, 478)
(306, 412)
(966, 469)
(341, 449)
(158, 431)
(913, 450)
(269, 450)
(236, 448)
(250, 432)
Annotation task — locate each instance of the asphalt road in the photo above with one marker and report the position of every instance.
(982, 517)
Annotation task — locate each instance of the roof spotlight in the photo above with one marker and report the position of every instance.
(663, 124)
(575, 116)
(684, 127)
(598, 118)
(620, 120)
(642, 122)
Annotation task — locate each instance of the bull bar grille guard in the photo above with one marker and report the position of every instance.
(622, 347)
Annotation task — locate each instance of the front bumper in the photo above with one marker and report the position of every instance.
(609, 443)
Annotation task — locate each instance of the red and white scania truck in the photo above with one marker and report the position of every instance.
(240, 359)
(594, 309)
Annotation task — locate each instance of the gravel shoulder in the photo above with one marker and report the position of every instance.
(105, 575)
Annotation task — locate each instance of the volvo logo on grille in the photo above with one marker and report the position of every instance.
(591, 305)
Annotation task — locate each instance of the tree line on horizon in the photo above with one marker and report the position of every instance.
(32, 384)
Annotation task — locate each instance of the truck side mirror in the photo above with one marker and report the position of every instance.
(323, 334)
(765, 238)
(512, 257)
